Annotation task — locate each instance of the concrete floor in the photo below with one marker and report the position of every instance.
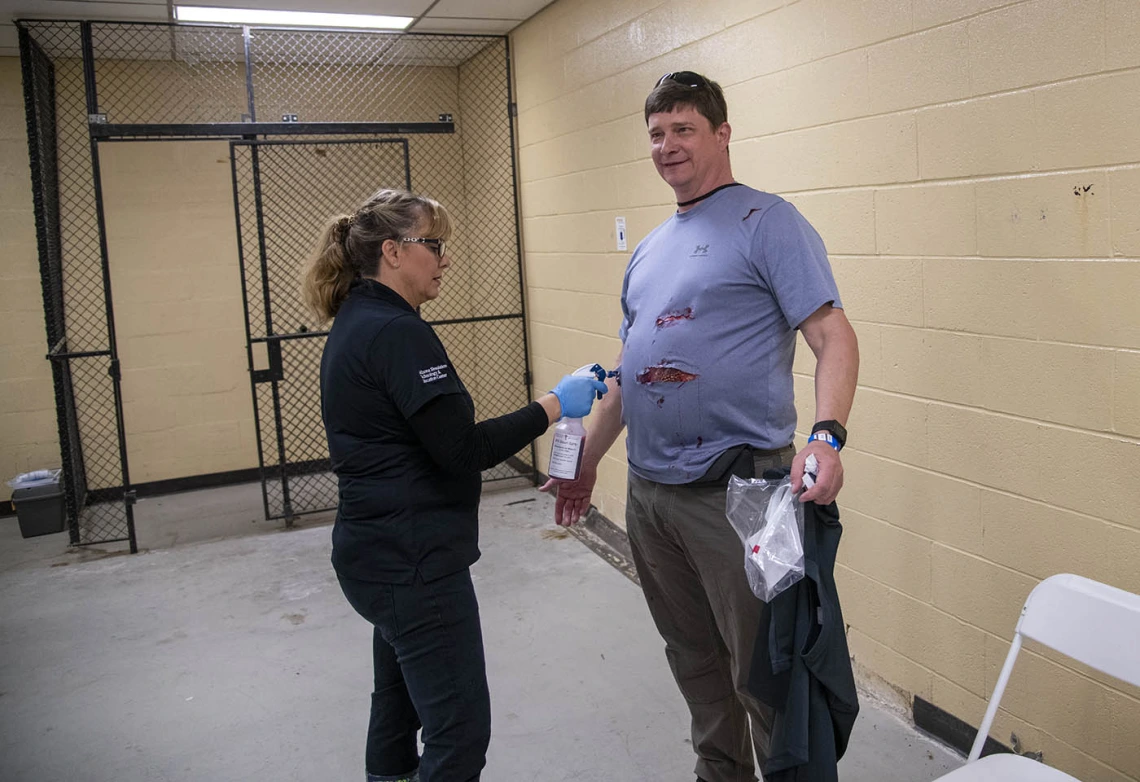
(225, 651)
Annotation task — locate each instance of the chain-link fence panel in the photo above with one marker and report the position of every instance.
(170, 81)
(39, 77)
(486, 355)
(335, 76)
(71, 272)
(296, 474)
(302, 185)
(287, 191)
(103, 516)
(489, 350)
(488, 180)
(82, 261)
(74, 476)
(168, 74)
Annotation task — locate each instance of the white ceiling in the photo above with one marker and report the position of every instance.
(431, 16)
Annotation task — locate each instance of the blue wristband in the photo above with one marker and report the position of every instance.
(826, 437)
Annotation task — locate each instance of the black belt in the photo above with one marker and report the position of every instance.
(738, 461)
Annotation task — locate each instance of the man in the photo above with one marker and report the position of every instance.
(712, 299)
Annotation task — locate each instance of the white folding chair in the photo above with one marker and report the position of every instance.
(1091, 622)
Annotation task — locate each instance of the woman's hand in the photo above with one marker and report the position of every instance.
(576, 395)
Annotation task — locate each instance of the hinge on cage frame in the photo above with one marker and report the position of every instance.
(445, 118)
(131, 497)
(97, 119)
(512, 109)
(288, 117)
(114, 370)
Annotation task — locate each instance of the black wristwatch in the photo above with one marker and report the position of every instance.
(836, 429)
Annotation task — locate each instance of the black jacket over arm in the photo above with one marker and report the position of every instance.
(801, 665)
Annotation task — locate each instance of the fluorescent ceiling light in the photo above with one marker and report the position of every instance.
(196, 13)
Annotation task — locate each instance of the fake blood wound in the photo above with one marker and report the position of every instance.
(673, 318)
(664, 374)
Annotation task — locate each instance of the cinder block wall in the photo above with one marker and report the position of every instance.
(28, 438)
(176, 286)
(974, 168)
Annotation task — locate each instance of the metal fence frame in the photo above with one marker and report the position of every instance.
(250, 212)
(69, 208)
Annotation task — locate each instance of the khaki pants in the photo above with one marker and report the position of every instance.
(691, 566)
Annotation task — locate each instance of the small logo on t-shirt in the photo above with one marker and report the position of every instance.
(432, 374)
(699, 250)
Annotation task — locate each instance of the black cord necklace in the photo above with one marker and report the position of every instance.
(700, 198)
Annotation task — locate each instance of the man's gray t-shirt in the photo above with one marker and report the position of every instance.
(711, 299)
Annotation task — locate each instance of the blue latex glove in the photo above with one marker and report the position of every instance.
(576, 395)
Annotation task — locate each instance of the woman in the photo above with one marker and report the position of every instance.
(408, 455)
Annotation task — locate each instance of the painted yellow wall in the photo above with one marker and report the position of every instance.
(28, 439)
(178, 310)
(974, 168)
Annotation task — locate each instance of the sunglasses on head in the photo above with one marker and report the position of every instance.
(685, 79)
(438, 245)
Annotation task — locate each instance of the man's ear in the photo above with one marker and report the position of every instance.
(724, 133)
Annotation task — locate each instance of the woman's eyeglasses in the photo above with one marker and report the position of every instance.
(438, 245)
(685, 79)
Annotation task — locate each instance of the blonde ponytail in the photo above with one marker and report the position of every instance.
(328, 275)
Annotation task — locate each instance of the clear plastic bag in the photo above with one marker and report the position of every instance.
(769, 520)
(35, 478)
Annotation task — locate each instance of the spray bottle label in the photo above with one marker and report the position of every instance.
(566, 455)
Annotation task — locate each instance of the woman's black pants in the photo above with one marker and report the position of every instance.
(427, 651)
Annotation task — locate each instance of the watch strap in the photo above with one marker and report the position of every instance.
(836, 429)
(826, 437)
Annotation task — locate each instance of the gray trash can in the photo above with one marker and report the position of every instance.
(38, 499)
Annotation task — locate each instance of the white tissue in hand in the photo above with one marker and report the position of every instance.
(811, 470)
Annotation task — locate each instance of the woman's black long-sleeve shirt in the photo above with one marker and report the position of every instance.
(404, 443)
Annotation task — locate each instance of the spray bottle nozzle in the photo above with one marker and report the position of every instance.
(597, 370)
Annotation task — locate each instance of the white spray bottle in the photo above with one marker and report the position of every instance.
(570, 436)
